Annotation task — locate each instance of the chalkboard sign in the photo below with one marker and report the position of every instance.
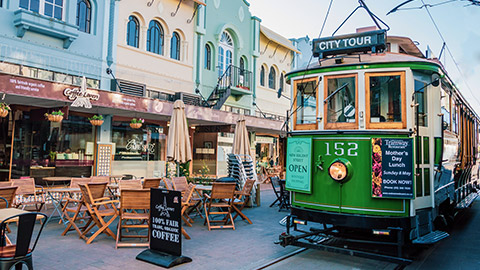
(392, 168)
(165, 221)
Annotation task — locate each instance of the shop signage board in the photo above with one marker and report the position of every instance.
(373, 41)
(392, 168)
(165, 229)
(104, 159)
(299, 164)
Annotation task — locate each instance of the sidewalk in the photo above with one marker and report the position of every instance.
(246, 247)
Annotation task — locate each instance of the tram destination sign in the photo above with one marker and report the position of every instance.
(373, 41)
(392, 168)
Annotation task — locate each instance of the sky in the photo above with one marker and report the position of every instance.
(458, 22)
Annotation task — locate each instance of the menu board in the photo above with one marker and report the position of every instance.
(392, 168)
(299, 163)
(165, 221)
(104, 159)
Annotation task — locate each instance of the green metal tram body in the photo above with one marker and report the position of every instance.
(444, 138)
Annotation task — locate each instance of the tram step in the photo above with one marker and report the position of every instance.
(467, 201)
(431, 238)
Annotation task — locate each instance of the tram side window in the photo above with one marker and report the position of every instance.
(421, 99)
(446, 110)
(454, 118)
(386, 100)
(306, 104)
(341, 101)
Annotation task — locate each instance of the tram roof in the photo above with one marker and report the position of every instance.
(368, 61)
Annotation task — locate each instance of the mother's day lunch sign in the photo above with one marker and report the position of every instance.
(392, 168)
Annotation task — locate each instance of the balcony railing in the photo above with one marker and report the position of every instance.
(236, 77)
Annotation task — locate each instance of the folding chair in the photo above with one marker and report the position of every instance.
(280, 192)
(8, 195)
(94, 201)
(180, 183)
(222, 198)
(130, 184)
(74, 205)
(132, 200)
(27, 194)
(242, 198)
(149, 183)
(186, 203)
(100, 179)
(19, 254)
(168, 183)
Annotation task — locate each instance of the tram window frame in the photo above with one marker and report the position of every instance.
(340, 125)
(386, 125)
(421, 98)
(307, 126)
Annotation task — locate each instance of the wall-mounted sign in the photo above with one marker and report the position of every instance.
(373, 41)
(392, 168)
(299, 163)
(80, 96)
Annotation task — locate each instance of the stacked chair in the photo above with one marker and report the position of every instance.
(242, 167)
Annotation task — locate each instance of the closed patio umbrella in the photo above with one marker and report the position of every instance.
(178, 143)
(241, 143)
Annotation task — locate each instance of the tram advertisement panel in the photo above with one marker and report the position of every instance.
(299, 163)
(392, 168)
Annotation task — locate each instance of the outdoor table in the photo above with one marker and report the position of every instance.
(54, 179)
(57, 202)
(115, 178)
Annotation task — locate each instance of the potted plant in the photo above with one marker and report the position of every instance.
(55, 116)
(96, 120)
(136, 123)
(4, 109)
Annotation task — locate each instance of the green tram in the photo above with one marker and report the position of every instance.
(383, 148)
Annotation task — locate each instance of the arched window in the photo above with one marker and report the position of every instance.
(208, 57)
(281, 81)
(155, 38)
(132, 31)
(225, 52)
(242, 66)
(262, 76)
(271, 78)
(84, 15)
(175, 46)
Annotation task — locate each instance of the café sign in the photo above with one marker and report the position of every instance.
(373, 41)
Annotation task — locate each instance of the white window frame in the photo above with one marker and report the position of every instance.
(41, 8)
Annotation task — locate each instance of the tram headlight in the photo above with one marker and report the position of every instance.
(340, 170)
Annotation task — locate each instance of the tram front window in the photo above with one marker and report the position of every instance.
(340, 101)
(386, 103)
(306, 102)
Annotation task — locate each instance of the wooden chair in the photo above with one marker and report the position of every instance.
(73, 209)
(168, 183)
(242, 198)
(222, 198)
(5, 183)
(129, 184)
(132, 200)
(180, 183)
(8, 195)
(186, 203)
(27, 194)
(149, 183)
(99, 179)
(99, 208)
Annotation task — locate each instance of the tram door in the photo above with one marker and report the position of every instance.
(424, 168)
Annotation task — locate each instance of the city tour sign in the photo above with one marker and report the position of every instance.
(373, 41)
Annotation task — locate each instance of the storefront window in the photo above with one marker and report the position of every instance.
(340, 107)
(386, 107)
(143, 144)
(42, 148)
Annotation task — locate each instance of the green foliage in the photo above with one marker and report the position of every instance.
(184, 169)
(59, 112)
(4, 106)
(96, 117)
(139, 120)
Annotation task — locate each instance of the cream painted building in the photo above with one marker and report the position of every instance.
(155, 46)
(275, 60)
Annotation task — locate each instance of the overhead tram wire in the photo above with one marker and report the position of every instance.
(305, 72)
(450, 53)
